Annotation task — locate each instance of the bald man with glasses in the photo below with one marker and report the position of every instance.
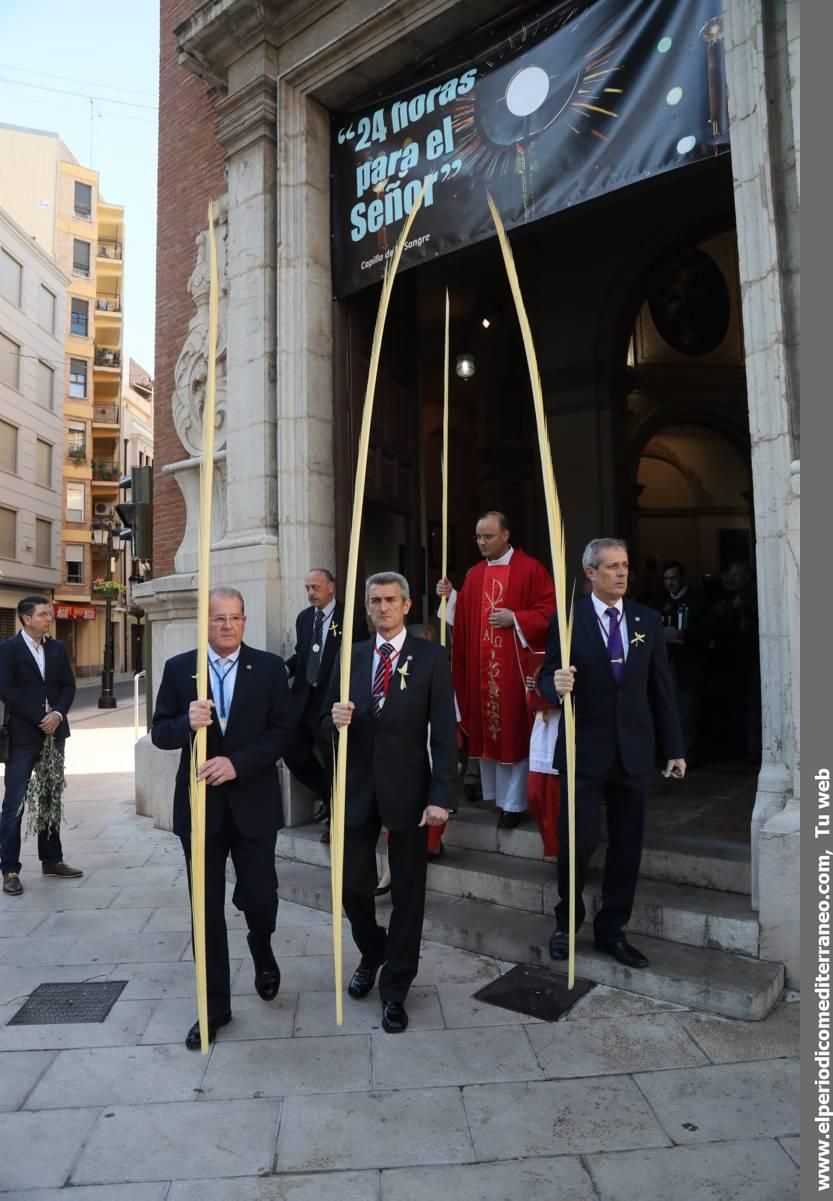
(249, 720)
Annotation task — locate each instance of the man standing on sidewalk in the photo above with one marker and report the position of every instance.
(250, 723)
(37, 687)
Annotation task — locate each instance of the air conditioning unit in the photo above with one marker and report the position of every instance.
(102, 509)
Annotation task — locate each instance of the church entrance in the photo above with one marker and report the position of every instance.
(635, 307)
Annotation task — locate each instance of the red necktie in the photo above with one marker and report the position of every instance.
(382, 677)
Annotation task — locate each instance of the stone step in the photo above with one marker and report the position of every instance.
(731, 985)
(694, 916)
(701, 862)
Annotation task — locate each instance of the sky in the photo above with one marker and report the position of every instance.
(110, 53)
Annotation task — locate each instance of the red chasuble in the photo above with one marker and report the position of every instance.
(487, 661)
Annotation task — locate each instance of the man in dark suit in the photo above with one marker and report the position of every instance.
(249, 723)
(622, 689)
(38, 688)
(401, 699)
(318, 630)
(686, 635)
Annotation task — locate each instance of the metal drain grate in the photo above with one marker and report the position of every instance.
(535, 991)
(62, 1004)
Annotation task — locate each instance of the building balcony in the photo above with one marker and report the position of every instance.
(77, 455)
(109, 248)
(106, 471)
(106, 414)
(107, 359)
(109, 306)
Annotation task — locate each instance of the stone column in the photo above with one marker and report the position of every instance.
(756, 87)
(247, 554)
(305, 344)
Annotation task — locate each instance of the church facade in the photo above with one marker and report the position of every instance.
(247, 92)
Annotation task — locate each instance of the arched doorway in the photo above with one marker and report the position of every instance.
(693, 503)
(687, 489)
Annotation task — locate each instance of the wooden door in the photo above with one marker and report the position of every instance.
(391, 520)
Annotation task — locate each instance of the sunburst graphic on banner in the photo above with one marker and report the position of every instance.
(577, 84)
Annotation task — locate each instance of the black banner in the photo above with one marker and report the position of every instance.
(574, 104)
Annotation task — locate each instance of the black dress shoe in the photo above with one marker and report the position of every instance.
(192, 1038)
(267, 972)
(623, 952)
(559, 944)
(394, 1017)
(508, 821)
(364, 977)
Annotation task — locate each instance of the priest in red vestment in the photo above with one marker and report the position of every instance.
(500, 614)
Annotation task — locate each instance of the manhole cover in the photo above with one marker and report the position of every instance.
(61, 1004)
(535, 991)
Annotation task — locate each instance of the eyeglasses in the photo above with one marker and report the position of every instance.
(234, 620)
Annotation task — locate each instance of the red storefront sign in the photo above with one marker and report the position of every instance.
(75, 612)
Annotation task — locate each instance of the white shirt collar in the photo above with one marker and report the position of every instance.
(601, 608)
(30, 642)
(327, 611)
(679, 595)
(396, 642)
(503, 560)
(232, 658)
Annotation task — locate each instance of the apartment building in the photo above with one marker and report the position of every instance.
(137, 451)
(58, 203)
(32, 317)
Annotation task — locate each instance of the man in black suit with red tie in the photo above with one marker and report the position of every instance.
(318, 630)
(623, 692)
(249, 722)
(37, 687)
(401, 698)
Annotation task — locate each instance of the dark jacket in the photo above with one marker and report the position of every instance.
(387, 756)
(688, 657)
(296, 664)
(613, 717)
(25, 692)
(257, 733)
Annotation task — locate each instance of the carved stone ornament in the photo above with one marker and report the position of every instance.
(192, 365)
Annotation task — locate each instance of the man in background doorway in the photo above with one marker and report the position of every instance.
(318, 631)
(684, 626)
(502, 611)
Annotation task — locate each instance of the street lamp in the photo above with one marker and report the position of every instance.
(102, 532)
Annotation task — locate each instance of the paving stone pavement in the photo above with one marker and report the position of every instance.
(619, 1098)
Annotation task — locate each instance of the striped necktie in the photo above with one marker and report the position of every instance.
(382, 677)
(316, 650)
(615, 649)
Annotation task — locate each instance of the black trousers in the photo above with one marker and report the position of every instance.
(396, 948)
(624, 797)
(307, 757)
(255, 893)
(18, 773)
